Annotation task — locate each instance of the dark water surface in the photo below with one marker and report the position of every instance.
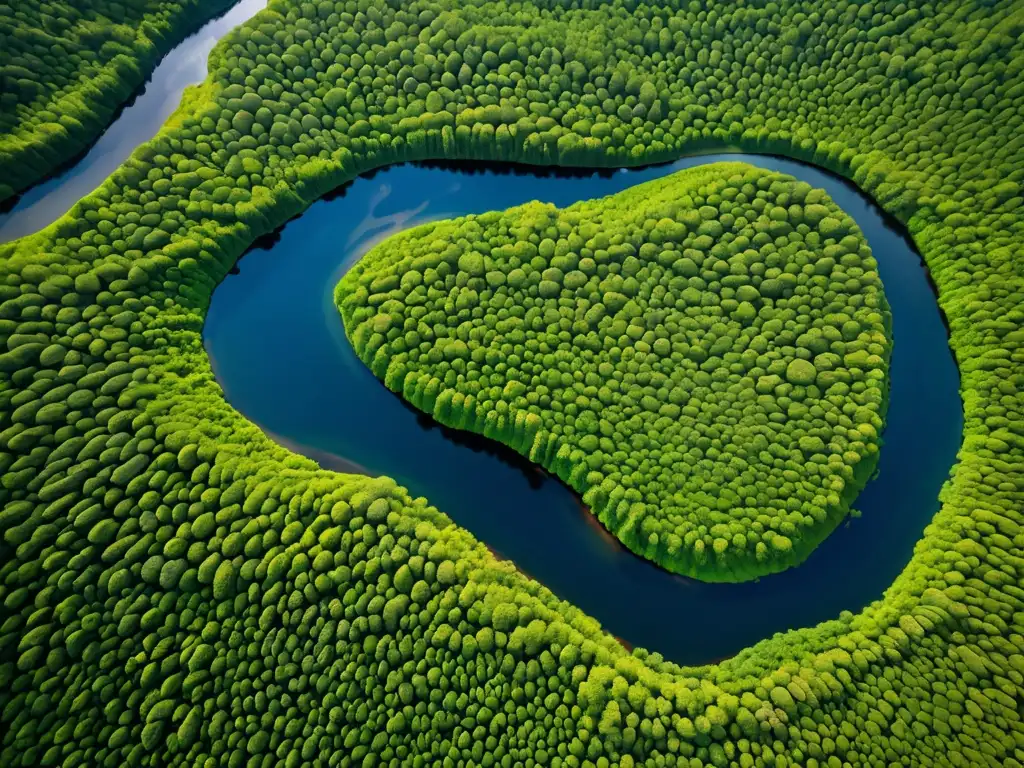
(136, 123)
(280, 353)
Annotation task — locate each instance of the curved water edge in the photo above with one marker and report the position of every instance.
(280, 353)
(136, 122)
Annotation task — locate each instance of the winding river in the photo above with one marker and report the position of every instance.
(137, 122)
(280, 353)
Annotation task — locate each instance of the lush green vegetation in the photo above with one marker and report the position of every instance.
(178, 590)
(702, 357)
(65, 68)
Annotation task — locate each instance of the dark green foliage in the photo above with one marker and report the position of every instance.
(626, 345)
(65, 68)
(920, 104)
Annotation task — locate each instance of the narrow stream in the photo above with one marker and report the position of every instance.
(279, 351)
(137, 122)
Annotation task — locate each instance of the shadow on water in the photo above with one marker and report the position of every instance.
(495, 168)
(532, 474)
(282, 358)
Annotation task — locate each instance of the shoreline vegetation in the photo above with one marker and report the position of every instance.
(615, 343)
(66, 70)
(177, 589)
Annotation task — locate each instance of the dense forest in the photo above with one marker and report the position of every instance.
(66, 67)
(177, 589)
(702, 357)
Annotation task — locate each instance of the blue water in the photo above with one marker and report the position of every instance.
(136, 123)
(280, 353)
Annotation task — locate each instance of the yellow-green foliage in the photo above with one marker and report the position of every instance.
(176, 590)
(65, 68)
(703, 357)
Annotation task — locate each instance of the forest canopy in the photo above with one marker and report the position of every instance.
(178, 590)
